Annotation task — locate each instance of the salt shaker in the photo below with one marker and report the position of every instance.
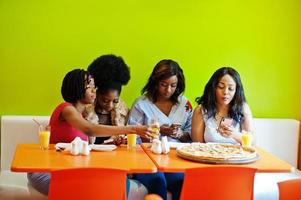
(74, 149)
(165, 145)
(85, 149)
(156, 146)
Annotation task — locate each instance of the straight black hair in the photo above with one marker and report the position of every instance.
(208, 99)
(163, 70)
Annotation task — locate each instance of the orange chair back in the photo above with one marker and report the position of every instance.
(290, 189)
(216, 183)
(87, 183)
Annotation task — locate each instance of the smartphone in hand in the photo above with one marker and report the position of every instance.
(176, 125)
(226, 122)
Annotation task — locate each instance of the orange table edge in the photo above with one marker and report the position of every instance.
(30, 158)
(267, 162)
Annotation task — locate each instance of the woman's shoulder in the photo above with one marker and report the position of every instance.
(246, 109)
(182, 98)
(69, 109)
(199, 109)
(122, 107)
(246, 105)
(121, 104)
(62, 106)
(141, 100)
(183, 101)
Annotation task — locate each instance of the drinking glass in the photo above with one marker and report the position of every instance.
(156, 129)
(246, 139)
(44, 136)
(131, 141)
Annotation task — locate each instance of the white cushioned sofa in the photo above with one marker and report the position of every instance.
(14, 130)
(281, 138)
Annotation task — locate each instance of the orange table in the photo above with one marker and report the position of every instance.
(172, 163)
(30, 158)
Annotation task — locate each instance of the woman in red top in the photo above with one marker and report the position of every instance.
(67, 121)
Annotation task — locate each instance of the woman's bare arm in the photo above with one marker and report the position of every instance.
(198, 125)
(247, 123)
(74, 118)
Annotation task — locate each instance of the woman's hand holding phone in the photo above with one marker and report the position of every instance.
(165, 129)
(226, 122)
(225, 128)
(172, 130)
(176, 126)
(177, 131)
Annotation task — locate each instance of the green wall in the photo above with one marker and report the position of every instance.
(41, 40)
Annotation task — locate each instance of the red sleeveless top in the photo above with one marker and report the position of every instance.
(61, 131)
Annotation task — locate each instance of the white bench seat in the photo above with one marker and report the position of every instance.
(14, 130)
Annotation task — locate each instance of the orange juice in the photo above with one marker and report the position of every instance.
(155, 127)
(156, 133)
(246, 139)
(132, 139)
(44, 137)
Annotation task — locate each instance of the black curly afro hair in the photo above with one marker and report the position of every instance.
(109, 72)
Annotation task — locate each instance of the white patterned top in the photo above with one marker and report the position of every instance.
(143, 110)
(212, 135)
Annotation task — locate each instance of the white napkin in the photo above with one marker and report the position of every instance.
(75, 147)
(103, 147)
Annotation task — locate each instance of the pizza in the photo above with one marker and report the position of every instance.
(221, 153)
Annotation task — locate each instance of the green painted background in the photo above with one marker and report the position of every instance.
(41, 40)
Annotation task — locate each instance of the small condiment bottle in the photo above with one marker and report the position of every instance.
(74, 149)
(165, 145)
(156, 146)
(85, 149)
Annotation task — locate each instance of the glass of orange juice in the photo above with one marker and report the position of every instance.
(246, 139)
(156, 128)
(131, 141)
(44, 136)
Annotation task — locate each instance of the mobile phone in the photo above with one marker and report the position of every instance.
(176, 125)
(226, 121)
